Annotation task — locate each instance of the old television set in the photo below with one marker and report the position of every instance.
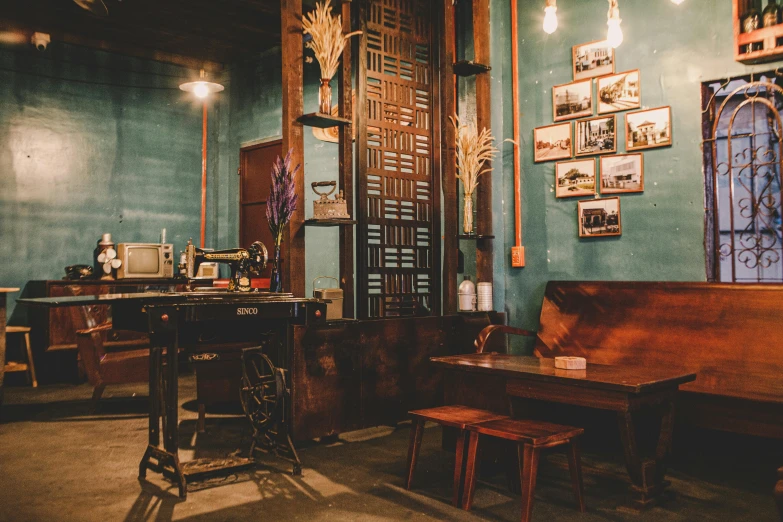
(145, 260)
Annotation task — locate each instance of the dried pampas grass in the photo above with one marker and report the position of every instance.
(328, 40)
(473, 149)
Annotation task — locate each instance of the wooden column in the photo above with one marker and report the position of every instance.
(484, 249)
(293, 136)
(345, 178)
(448, 84)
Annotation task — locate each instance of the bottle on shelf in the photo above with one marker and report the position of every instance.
(751, 21)
(771, 15)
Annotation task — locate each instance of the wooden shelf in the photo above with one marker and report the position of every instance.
(467, 68)
(323, 121)
(474, 237)
(329, 222)
(773, 36)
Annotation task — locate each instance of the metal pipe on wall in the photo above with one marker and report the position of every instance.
(204, 176)
(517, 251)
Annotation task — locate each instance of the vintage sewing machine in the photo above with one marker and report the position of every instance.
(244, 263)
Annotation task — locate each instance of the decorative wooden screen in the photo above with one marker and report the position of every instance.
(743, 161)
(399, 212)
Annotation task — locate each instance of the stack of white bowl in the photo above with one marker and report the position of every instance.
(485, 297)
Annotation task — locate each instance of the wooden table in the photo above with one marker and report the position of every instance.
(488, 379)
(3, 292)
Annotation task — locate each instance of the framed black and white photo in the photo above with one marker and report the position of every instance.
(572, 100)
(596, 136)
(622, 173)
(593, 59)
(619, 92)
(599, 217)
(648, 128)
(553, 142)
(575, 178)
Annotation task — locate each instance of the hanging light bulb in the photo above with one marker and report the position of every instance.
(677, 2)
(550, 18)
(201, 88)
(615, 34)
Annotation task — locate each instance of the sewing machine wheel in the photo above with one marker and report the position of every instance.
(261, 391)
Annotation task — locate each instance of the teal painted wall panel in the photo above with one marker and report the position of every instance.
(676, 48)
(91, 142)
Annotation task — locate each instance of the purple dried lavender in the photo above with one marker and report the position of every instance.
(282, 196)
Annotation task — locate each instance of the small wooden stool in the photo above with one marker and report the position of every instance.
(531, 437)
(454, 416)
(29, 366)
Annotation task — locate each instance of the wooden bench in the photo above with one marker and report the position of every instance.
(731, 335)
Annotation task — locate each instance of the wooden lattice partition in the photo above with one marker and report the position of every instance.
(399, 161)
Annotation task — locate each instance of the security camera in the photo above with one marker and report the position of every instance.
(40, 41)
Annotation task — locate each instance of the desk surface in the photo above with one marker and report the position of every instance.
(168, 298)
(629, 379)
(8, 290)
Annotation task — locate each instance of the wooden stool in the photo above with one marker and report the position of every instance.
(531, 437)
(29, 366)
(453, 416)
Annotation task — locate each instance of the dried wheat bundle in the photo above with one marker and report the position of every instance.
(328, 40)
(473, 149)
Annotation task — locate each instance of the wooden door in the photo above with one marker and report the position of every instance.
(255, 166)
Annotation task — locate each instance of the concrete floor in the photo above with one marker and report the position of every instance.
(58, 461)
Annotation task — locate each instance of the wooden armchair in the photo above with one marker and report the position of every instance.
(107, 362)
(481, 342)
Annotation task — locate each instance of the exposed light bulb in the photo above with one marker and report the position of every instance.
(677, 2)
(201, 91)
(550, 19)
(615, 34)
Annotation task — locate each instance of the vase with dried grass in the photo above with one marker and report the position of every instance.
(474, 149)
(327, 42)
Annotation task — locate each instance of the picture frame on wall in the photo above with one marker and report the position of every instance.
(599, 217)
(592, 59)
(575, 178)
(572, 100)
(619, 92)
(648, 128)
(553, 142)
(596, 136)
(622, 173)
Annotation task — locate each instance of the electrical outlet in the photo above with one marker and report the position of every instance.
(518, 257)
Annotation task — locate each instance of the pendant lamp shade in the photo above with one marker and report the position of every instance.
(202, 87)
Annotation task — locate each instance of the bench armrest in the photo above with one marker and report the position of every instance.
(484, 334)
(105, 327)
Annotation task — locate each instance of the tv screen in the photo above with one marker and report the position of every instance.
(143, 260)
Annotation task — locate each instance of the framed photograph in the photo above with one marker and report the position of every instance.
(572, 100)
(619, 92)
(599, 217)
(596, 136)
(553, 142)
(622, 173)
(575, 178)
(648, 128)
(593, 59)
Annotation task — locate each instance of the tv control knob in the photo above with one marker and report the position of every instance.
(164, 318)
(166, 255)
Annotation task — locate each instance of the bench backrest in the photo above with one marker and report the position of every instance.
(732, 335)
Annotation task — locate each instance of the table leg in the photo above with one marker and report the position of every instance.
(647, 470)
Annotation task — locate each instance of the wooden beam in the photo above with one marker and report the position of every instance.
(293, 135)
(345, 137)
(484, 249)
(362, 303)
(448, 94)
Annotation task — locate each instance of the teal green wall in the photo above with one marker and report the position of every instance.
(256, 113)
(676, 48)
(92, 142)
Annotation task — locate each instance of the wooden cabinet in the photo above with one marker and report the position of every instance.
(53, 332)
(765, 44)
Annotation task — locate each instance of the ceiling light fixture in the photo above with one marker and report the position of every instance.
(550, 18)
(615, 34)
(202, 88)
(677, 2)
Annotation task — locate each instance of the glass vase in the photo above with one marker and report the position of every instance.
(325, 97)
(275, 280)
(467, 214)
